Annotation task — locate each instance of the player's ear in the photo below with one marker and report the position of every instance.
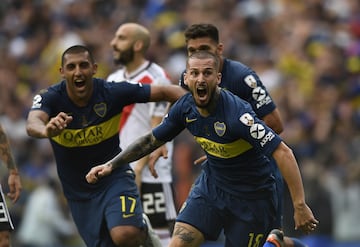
(138, 45)
(218, 78)
(185, 78)
(95, 67)
(62, 72)
(220, 49)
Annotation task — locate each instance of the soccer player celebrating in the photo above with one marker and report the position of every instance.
(80, 116)
(235, 191)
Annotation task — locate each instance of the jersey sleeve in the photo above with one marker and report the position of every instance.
(45, 101)
(259, 97)
(256, 132)
(171, 125)
(244, 82)
(159, 109)
(129, 93)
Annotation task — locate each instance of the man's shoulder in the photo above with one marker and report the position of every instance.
(235, 65)
(117, 75)
(159, 73)
(55, 89)
(233, 100)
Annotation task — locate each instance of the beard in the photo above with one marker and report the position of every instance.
(211, 103)
(125, 57)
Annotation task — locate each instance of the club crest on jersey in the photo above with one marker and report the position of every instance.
(100, 109)
(247, 119)
(251, 81)
(259, 94)
(220, 128)
(257, 131)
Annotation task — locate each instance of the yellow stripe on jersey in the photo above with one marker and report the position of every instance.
(89, 136)
(226, 150)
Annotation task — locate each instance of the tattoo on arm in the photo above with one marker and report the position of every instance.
(5, 152)
(138, 149)
(184, 234)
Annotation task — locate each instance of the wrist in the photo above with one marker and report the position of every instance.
(14, 171)
(110, 165)
(299, 205)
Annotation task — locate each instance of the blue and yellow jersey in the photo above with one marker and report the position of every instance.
(92, 137)
(237, 143)
(246, 84)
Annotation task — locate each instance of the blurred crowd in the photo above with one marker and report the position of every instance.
(307, 52)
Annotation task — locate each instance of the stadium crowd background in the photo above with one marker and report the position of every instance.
(306, 52)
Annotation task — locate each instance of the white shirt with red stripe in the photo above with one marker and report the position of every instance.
(136, 119)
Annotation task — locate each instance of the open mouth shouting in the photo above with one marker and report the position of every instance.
(202, 94)
(79, 83)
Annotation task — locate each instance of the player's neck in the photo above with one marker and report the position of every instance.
(211, 107)
(134, 66)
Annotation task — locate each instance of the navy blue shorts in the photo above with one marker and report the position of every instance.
(245, 222)
(118, 205)
(279, 182)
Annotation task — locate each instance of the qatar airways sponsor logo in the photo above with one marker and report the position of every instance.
(87, 136)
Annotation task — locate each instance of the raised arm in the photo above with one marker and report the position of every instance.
(138, 149)
(8, 159)
(170, 93)
(273, 120)
(303, 216)
(40, 126)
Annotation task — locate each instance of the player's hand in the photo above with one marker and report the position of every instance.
(14, 185)
(162, 151)
(200, 160)
(57, 124)
(98, 172)
(304, 219)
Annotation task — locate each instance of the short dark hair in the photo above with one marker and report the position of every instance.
(203, 55)
(77, 49)
(202, 30)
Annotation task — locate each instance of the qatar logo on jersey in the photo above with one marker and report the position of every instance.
(220, 128)
(257, 131)
(258, 94)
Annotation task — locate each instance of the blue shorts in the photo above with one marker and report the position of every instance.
(279, 182)
(118, 205)
(245, 222)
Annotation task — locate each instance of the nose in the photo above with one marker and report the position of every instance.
(77, 70)
(112, 42)
(201, 77)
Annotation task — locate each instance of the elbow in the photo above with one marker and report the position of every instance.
(279, 128)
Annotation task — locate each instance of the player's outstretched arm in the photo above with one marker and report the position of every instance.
(7, 158)
(138, 149)
(303, 216)
(170, 93)
(39, 126)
